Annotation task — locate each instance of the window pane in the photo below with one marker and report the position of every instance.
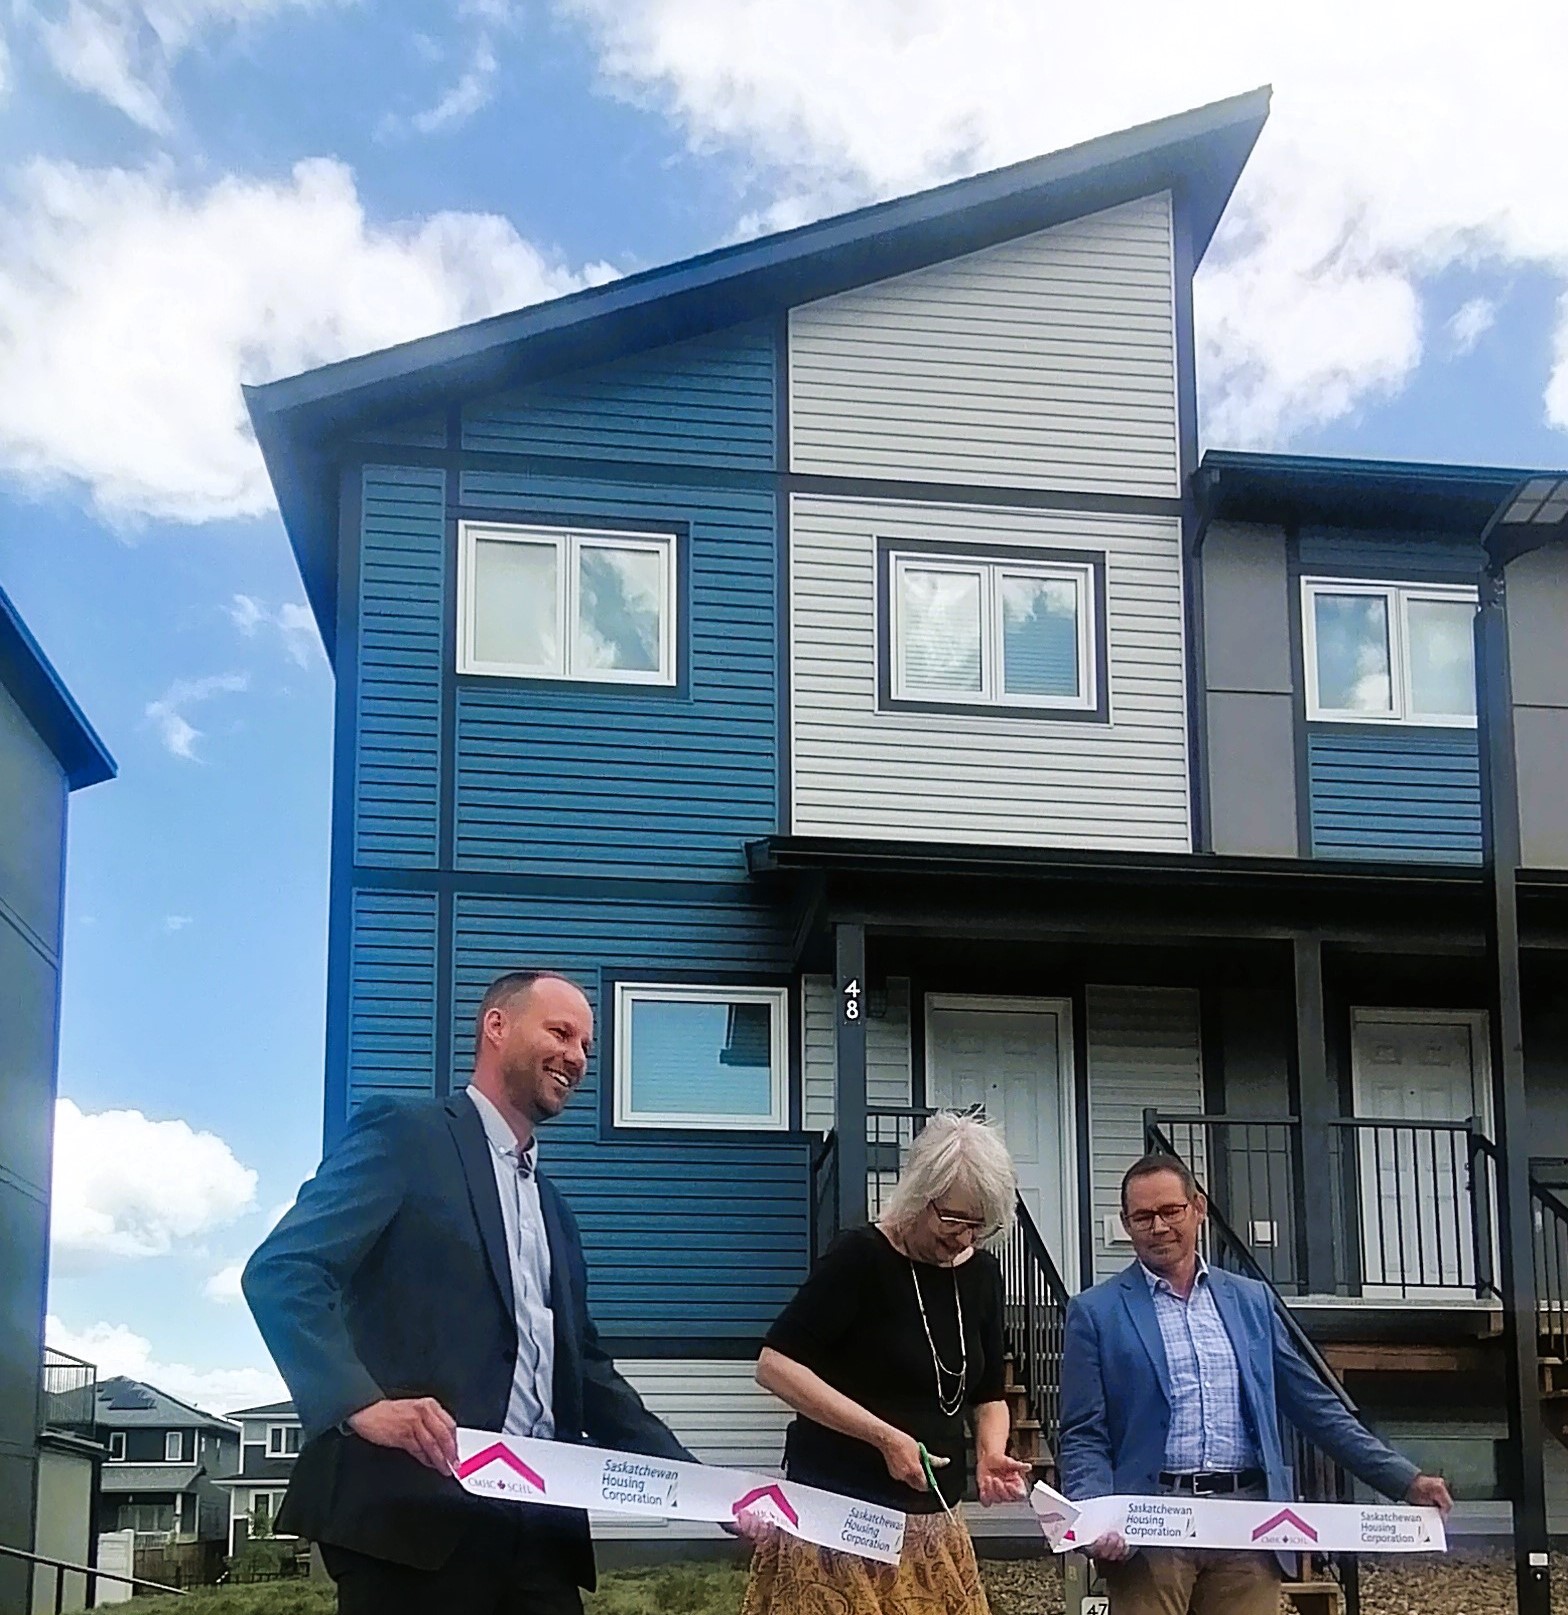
(1442, 658)
(620, 603)
(515, 597)
(702, 1059)
(1040, 636)
(939, 631)
(1353, 657)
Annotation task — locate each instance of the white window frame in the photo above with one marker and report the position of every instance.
(280, 1449)
(116, 1446)
(991, 570)
(176, 1438)
(777, 998)
(568, 543)
(1397, 598)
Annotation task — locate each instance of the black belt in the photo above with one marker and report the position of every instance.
(1214, 1483)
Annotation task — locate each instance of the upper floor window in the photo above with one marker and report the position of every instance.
(173, 1446)
(1389, 652)
(992, 628)
(564, 603)
(117, 1446)
(711, 1057)
(282, 1440)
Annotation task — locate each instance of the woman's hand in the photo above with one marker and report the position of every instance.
(901, 1454)
(1002, 1479)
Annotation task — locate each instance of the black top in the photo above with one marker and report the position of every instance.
(856, 1323)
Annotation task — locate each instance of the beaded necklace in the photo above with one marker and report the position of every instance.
(948, 1404)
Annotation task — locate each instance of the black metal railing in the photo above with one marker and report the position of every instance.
(1034, 1315)
(890, 1130)
(67, 1394)
(824, 1195)
(90, 1576)
(1550, 1210)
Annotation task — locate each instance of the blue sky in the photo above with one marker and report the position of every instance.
(1390, 283)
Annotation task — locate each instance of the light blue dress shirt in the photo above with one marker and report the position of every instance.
(1208, 1422)
(529, 1409)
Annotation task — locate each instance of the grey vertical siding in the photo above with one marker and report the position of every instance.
(402, 605)
(1047, 361)
(888, 1055)
(1250, 707)
(975, 777)
(1144, 1049)
(1538, 652)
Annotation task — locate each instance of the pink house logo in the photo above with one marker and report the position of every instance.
(771, 1498)
(500, 1453)
(1285, 1522)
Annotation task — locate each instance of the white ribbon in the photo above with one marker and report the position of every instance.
(519, 1469)
(1216, 1522)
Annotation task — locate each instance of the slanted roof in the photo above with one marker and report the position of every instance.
(279, 1412)
(171, 1478)
(1408, 496)
(1197, 155)
(257, 1470)
(125, 1404)
(31, 681)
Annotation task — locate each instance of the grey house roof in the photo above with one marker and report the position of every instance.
(169, 1478)
(128, 1404)
(278, 1412)
(258, 1470)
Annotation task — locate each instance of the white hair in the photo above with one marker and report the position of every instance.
(955, 1152)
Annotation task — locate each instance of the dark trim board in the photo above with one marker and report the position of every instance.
(723, 1348)
(1298, 692)
(784, 672)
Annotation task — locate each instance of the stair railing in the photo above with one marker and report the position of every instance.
(1034, 1317)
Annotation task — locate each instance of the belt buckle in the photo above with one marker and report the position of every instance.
(1205, 1485)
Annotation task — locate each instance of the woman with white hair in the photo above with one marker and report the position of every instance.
(892, 1340)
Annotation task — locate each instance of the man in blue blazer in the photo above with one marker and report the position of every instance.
(429, 1276)
(1175, 1377)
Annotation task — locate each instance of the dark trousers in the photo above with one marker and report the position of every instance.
(501, 1567)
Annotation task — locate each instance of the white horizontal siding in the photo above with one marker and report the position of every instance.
(719, 1412)
(888, 1080)
(1048, 361)
(979, 777)
(1144, 1049)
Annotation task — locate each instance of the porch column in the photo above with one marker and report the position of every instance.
(849, 970)
(1316, 1104)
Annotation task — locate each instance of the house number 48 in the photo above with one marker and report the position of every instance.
(852, 1000)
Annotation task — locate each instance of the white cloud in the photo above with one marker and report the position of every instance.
(1402, 141)
(1471, 322)
(224, 1285)
(292, 620)
(167, 713)
(131, 309)
(124, 50)
(114, 1349)
(126, 1186)
(176, 922)
(473, 91)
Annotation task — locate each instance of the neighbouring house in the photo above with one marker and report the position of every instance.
(269, 1444)
(164, 1461)
(835, 653)
(48, 750)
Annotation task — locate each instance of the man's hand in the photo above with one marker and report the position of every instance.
(1430, 1491)
(901, 1454)
(1001, 1479)
(1112, 1548)
(419, 1426)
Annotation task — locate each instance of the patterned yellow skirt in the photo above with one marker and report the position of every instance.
(937, 1575)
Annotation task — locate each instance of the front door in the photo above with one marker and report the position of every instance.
(1411, 1069)
(1012, 1057)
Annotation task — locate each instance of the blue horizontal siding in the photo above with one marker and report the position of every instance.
(582, 778)
(402, 602)
(1393, 556)
(707, 402)
(392, 995)
(1401, 795)
(728, 1209)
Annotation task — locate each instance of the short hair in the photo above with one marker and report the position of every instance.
(1160, 1161)
(504, 989)
(956, 1151)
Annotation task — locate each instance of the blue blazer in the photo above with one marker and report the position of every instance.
(1116, 1411)
(389, 1278)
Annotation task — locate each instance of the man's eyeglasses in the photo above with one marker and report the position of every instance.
(1170, 1215)
(948, 1219)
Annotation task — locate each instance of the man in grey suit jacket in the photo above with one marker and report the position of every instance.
(1175, 1377)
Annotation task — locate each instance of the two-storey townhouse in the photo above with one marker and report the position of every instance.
(165, 1457)
(808, 647)
(269, 1443)
(47, 751)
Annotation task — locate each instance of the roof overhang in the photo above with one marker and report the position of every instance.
(27, 674)
(301, 421)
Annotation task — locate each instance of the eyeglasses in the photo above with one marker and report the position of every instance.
(1170, 1215)
(948, 1219)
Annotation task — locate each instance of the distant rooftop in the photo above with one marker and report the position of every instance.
(125, 1404)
